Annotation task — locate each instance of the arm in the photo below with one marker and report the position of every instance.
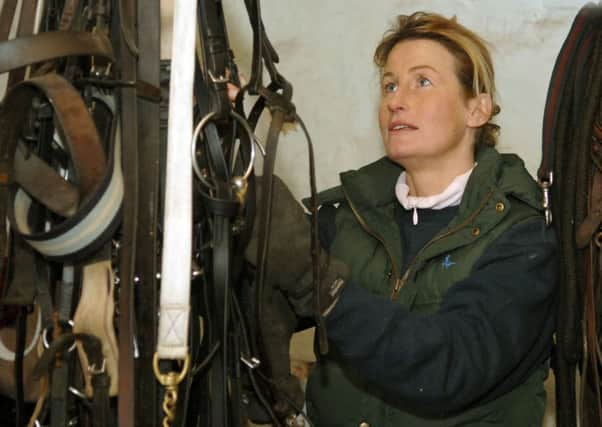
(492, 329)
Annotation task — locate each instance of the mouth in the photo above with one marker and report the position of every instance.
(399, 126)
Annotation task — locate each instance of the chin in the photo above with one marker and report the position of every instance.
(397, 156)
(398, 151)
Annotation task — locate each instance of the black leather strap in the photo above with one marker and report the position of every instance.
(148, 237)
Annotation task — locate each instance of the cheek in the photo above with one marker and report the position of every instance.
(383, 118)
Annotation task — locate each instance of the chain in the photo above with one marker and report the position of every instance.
(169, 405)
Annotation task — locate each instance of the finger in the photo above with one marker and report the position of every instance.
(232, 91)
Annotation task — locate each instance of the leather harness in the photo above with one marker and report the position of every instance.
(570, 175)
(79, 136)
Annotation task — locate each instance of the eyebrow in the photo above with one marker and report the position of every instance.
(414, 68)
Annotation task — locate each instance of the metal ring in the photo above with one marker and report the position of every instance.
(197, 130)
(45, 335)
(9, 356)
(261, 147)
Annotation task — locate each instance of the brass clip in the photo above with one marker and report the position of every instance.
(170, 381)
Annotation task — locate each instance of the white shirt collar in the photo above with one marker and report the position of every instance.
(451, 196)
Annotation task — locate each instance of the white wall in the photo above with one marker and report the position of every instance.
(326, 48)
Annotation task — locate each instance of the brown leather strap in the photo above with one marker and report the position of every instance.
(43, 184)
(72, 119)
(129, 131)
(586, 230)
(51, 45)
(6, 18)
(26, 24)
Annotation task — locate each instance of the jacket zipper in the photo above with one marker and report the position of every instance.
(399, 284)
(378, 237)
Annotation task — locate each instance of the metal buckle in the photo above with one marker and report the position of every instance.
(251, 363)
(93, 370)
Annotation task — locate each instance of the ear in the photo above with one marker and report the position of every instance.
(479, 110)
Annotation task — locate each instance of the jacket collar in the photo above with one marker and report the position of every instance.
(371, 193)
(373, 186)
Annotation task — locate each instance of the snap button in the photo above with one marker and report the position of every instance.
(476, 231)
(364, 424)
(499, 206)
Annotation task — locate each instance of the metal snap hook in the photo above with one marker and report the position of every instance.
(546, 203)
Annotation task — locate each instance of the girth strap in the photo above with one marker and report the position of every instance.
(100, 186)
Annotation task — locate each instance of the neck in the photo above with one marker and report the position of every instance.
(433, 178)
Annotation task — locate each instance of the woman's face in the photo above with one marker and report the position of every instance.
(424, 114)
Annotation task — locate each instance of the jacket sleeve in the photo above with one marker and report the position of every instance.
(491, 332)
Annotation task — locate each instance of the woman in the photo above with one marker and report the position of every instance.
(445, 273)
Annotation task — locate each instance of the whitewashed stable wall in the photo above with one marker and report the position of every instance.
(326, 48)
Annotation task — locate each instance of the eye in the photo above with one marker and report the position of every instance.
(424, 82)
(389, 87)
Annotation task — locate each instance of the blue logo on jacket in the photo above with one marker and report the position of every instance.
(447, 262)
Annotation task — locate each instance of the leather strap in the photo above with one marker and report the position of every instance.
(277, 97)
(126, 23)
(147, 244)
(42, 183)
(25, 28)
(73, 121)
(24, 51)
(7, 14)
(100, 186)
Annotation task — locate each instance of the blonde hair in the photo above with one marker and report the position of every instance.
(474, 65)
